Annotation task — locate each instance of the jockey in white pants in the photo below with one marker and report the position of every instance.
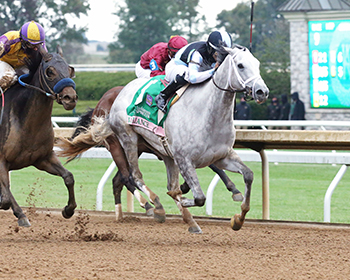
(188, 64)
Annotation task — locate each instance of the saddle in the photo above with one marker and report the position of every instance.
(143, 110)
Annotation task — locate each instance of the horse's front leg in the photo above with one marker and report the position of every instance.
(175, 192)
(129, 142)
(7, 200)
(122, 178)
(53, 166)
(233, 163)
(117, 189)
(189, 174)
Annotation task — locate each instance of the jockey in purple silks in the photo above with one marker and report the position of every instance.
(14, 49)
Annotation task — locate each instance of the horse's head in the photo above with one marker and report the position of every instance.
(56, 77)
(244, 74)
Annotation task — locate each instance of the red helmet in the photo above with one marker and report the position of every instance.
(176, 42)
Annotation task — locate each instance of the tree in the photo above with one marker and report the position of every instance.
(270, 42)
(145, 23)
(53, 15)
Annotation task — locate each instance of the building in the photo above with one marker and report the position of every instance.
(312, 76)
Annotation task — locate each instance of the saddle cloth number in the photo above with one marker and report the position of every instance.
(153, 65)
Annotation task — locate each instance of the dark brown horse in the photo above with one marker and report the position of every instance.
(26, 132)
(77, 145)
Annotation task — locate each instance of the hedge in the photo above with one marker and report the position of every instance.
(92, 85)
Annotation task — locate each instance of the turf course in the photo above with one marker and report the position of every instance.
(296, 190)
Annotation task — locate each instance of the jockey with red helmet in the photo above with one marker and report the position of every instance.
(15, 46)
(153, 61)
(194, 64)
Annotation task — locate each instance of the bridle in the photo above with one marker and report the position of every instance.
(248, 91)
(53, 93)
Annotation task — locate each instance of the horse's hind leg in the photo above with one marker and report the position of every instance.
(117, 189)
(233, 163)
(236, 194)
(53, 166)
(7, 200)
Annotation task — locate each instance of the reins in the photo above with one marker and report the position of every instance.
(242, 83)
(51, 95)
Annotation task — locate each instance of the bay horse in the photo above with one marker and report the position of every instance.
(26, 131)
(199, 129)
(81, 141)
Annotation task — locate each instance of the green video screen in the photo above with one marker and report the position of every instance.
(329, 56)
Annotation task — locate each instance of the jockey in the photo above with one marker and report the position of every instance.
(189, 63)
(15, 47)
(153, 61)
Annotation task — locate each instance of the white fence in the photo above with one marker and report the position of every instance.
(274, 156)
(246, 156)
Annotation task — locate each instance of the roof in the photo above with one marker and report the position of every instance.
(314, 5)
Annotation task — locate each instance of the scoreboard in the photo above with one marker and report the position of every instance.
(329, 63)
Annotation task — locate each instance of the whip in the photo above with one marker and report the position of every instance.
(251, 25)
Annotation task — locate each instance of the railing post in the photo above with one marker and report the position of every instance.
(265, 185)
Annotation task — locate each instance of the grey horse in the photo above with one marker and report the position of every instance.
(199, 131)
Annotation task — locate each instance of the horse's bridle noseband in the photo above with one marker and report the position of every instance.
(53, 93)
(248, 91)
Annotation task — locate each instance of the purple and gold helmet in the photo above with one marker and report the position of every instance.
(32, 32)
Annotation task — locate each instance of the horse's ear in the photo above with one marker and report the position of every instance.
(71, 72)
(45, 55)
(59, 50)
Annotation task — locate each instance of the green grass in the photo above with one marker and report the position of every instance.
(82, 106)
(296, 190)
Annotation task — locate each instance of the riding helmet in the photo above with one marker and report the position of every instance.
(176, 42)
(219, 38)
(32, 32)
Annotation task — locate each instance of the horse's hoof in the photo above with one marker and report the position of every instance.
(24, 222)
(236, 222)
(150, 212)
(159, 215)
(67, 213)
(118, 212)
(195, 229)
(237, 197)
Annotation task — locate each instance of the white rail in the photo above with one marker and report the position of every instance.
(264, 124)
(247, 156)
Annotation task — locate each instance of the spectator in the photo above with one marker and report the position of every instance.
(273, 111)
(297, 108)
(243, 112)
(285, 109)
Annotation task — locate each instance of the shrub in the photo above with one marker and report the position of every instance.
(92, 85)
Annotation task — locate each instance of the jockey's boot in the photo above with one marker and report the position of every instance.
(163, 96)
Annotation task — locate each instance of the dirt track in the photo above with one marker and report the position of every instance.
(91, 246)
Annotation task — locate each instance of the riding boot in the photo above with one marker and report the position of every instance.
(163, 96)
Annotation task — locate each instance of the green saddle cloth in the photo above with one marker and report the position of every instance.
(143, 110)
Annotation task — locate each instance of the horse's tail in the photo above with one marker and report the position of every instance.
(95, 135)
(83, 123)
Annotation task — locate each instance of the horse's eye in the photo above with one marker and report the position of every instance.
(50, 73)
(240, 66)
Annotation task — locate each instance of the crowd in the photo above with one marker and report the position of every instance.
(276, 110)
